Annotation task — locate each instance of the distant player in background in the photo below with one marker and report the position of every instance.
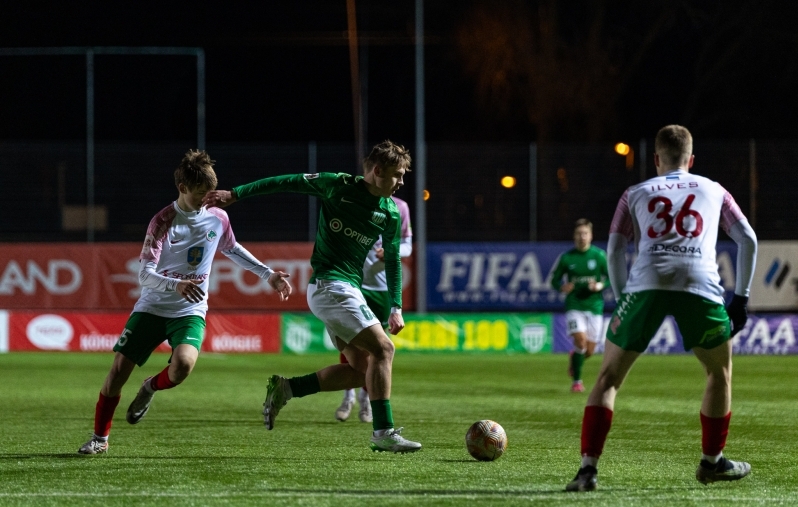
(673, 220)
(175, 264)
(375, 290)
(585, 270)
(356, 211)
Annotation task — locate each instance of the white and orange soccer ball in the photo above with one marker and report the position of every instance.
(486, 440)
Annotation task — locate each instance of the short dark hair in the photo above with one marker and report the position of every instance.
(673, 144)
(583, 222)
(387, 154)
(196, 170)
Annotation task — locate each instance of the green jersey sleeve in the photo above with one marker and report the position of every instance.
(391, 239)
(559, 272)
(320, 184)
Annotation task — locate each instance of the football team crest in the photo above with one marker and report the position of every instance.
(591, 264)
(195, 256)
(377, 217)
(211, 235)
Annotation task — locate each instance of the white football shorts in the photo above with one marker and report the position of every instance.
(341, 307)
(585, 322)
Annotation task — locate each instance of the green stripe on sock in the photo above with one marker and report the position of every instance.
(304, 385)
(382, 414)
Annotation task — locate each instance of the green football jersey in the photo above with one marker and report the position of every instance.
(581, 268)
(350, 221)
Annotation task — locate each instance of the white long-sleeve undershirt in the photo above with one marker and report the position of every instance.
(149, 277)
(745, 237)
(616, 263)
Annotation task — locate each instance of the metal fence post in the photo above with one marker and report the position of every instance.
(312, 200)
(89, 145)
(533, 192)
(752, 182)
(641, 156)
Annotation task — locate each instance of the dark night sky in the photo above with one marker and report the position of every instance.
(279, 72)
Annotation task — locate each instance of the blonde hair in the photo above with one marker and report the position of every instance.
(583, 222)
(674, 145)
(196, 170)
(387, 154)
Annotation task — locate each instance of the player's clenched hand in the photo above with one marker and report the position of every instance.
(220, 198)
(738, 313)
(380, 252)
(190, 290)
(396, 323)
(595, 286)
(280, 285)
(567, 288)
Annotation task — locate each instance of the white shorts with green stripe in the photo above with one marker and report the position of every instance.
(341, 307)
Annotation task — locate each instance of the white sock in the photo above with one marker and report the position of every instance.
(362, 395)
(381, 433)
(148, 385)
(712, 459)
(102, 439)
(589, 461)
(349, 395)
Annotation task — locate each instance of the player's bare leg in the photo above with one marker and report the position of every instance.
(110, 394)
(380, 351)
(715, 417)
(184, 357)
(347, 375)
(598, 413)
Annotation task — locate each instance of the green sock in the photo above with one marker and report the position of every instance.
(577, 360)
(304, 385)
(382, 414)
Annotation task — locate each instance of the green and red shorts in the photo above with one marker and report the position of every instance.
(638, 316)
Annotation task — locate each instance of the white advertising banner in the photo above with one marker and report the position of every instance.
(775, 285)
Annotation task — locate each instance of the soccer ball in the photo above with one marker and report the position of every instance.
(486, 440)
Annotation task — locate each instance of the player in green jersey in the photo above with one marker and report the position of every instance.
(585, 270)
(355, 211)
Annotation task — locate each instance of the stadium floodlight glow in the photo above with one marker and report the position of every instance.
(426, 194)
(622, 149)
(508, 181)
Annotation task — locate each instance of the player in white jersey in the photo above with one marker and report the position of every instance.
(375, 290)
(673, 220)
(175, 264)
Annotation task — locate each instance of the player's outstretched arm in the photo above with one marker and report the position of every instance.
(278, 282)
(276, 279)
(220, 198)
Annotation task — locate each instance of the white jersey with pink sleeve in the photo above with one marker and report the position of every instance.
(181, 245)
(673, 220)
(374, 269)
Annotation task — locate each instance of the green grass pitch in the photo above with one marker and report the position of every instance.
(204, 443)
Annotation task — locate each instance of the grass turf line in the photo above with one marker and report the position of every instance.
(204, 443)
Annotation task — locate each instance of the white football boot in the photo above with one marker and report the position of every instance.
(392, 441)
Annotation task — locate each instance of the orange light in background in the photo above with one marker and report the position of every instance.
(626, 151)
(426, 195)
(508, 182)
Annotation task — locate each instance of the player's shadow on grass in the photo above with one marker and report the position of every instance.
(464, 460)
(62, 455)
